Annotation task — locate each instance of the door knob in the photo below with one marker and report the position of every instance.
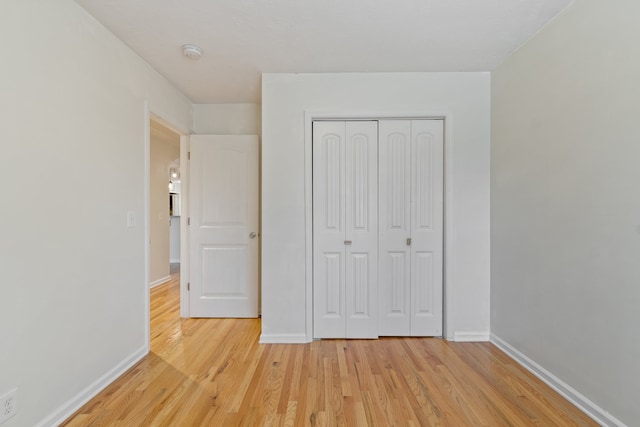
(252, 234)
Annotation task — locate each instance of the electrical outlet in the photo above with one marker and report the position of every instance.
(8, 405)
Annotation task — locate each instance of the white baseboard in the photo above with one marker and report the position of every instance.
(283, 339)
(58, 416)
(594, 411)
(471, 336)
(159, 281)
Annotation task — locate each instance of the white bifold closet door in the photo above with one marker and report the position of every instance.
(345, 229)
(411, 227)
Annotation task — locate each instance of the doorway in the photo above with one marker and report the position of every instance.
(164, 202)
(165, 151)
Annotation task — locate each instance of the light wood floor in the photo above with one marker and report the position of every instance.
(214, 373)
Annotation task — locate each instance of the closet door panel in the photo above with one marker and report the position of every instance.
(394, 227)
(427, 159)
(361, 193)
(329, 229)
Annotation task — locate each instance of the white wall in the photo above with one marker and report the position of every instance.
(165, 149)
(286, 97)
(565, 210)
(73, 288)
(226, 119)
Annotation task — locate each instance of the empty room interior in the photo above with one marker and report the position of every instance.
(320, 213)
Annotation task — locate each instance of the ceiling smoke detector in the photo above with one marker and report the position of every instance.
(192, 51)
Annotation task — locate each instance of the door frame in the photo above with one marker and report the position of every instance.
(184, 274)
(444, 114)
(185, 147)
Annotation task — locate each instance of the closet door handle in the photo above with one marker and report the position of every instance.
(347, 242)
(408, 241)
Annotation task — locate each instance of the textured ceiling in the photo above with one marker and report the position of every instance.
(243, 38)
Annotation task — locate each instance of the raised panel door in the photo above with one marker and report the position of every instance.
(361, 229)
(427, 144)
(394, 317)
(223, 216)
(329, 320)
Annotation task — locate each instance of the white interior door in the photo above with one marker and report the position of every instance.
(395, 228)
(345, 229)
(411, 227)
(223, 228)
(378, 228)
(427, 232)
(361, 211)
(329, 235)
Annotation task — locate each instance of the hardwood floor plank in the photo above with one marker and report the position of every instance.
(213, 372)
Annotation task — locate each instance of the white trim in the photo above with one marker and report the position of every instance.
(308, 223)
(174, 261)
(159, 282)
(63, 412)
(448, 281)
(594, 411)
(470, 336)
(184, 229)
(147, 225)
(283, 339)
(428, 113)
